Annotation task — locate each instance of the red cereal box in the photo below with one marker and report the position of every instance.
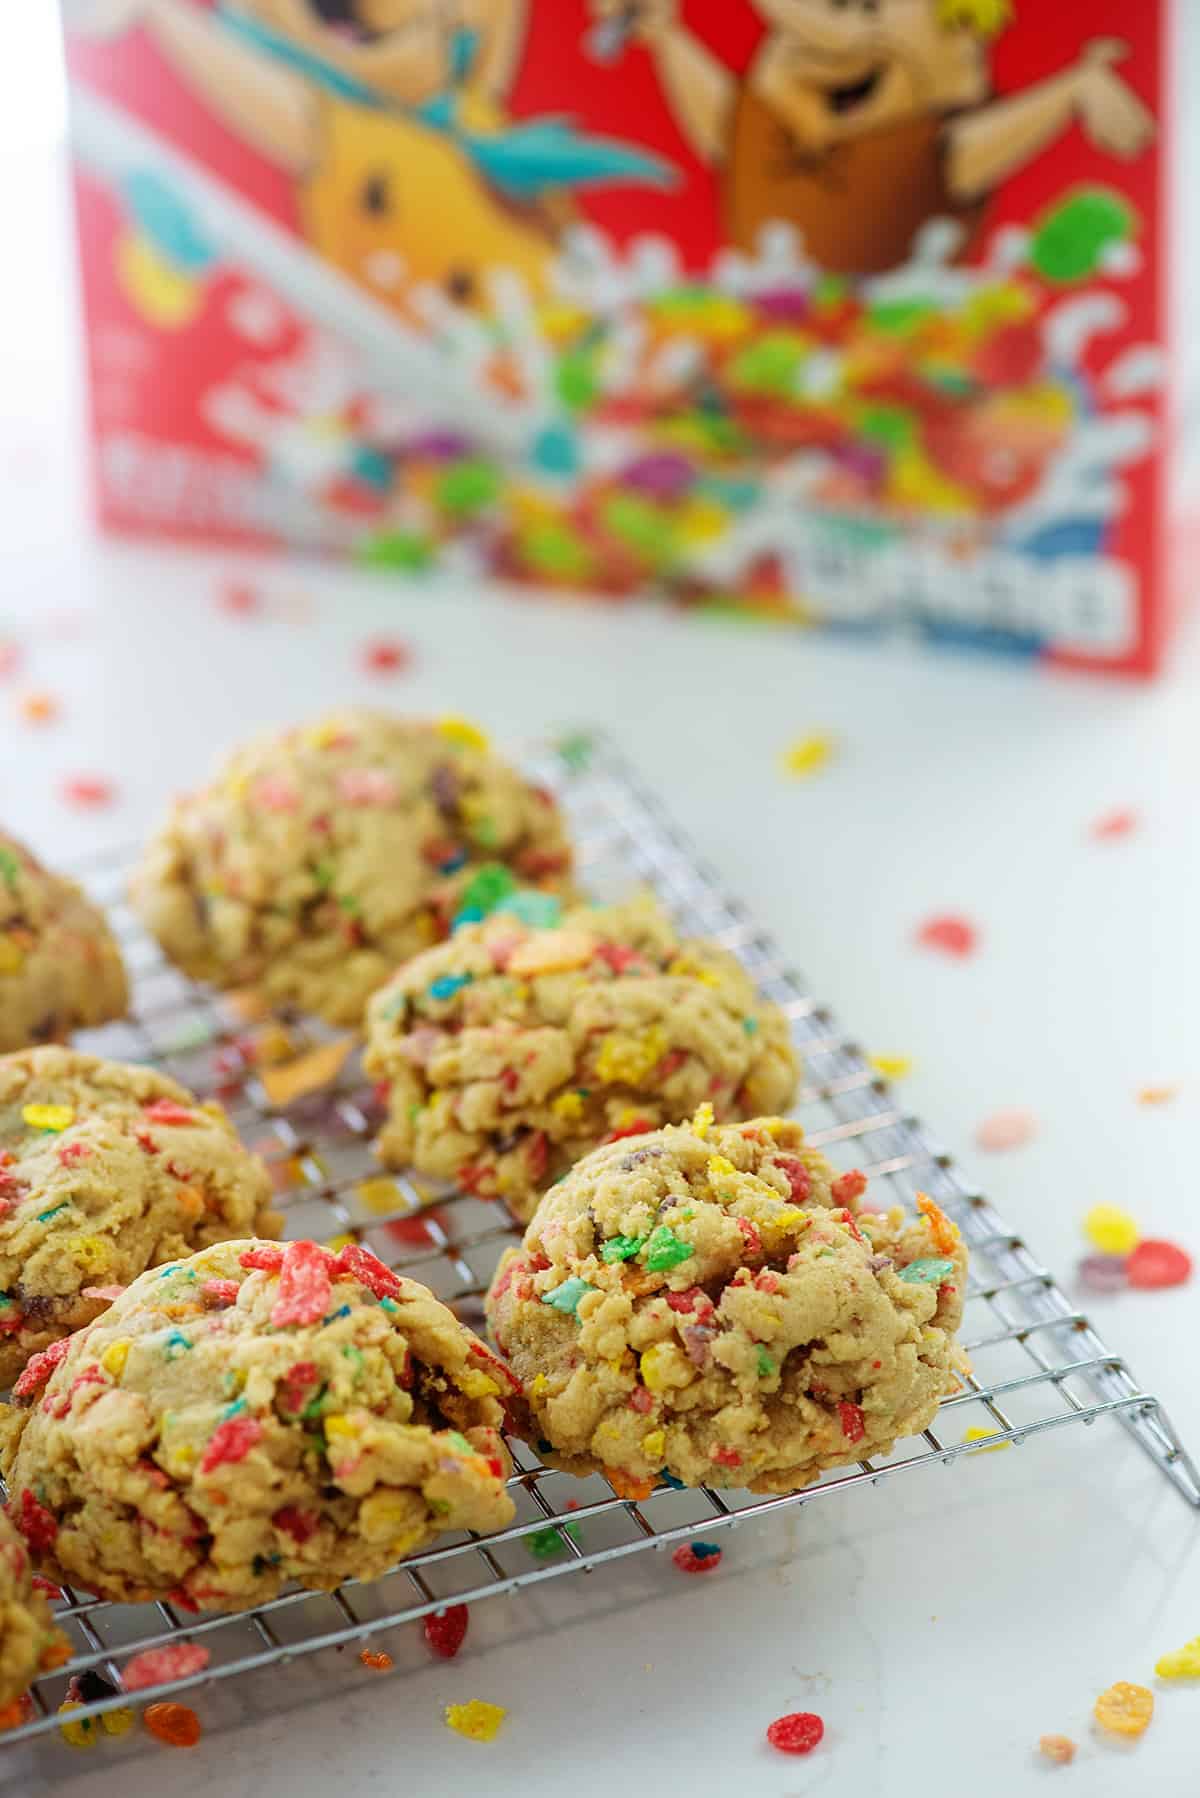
(844, 312)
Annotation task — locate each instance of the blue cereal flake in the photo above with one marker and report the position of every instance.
(930, 1270)
(177, 1344)
(446, 985)
(45, 1216)
(566, 1297)
(542, 911)
(750, 1026)
(705, 1551)
(342, 1311)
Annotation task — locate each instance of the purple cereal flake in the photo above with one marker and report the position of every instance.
(1104, 1273)
(786, 305)
(862, 459)
(440, 446)
(664, 475)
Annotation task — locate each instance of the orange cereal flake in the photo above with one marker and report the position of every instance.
(1059, 1749)
(173, 1724)
(1125, 1709)
(945, 1234)
(377, 1659)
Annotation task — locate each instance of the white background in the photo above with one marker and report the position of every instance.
(938, 1624)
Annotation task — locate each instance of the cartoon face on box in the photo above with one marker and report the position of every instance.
(832, 308)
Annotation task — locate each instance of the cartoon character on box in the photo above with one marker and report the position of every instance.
(859, 121)
(390, 115)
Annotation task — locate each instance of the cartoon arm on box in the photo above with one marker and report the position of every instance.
(861, 120)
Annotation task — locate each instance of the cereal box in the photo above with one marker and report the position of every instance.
(850, 313)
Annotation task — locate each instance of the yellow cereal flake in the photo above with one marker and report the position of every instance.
(307, 1074)
(1111, 1230)
(627, 1060)
(552, 952)
(719, 1168)
(48, 1117)
(691, 969)
(378, 1195)
(790, 1218)
(340, 1429)
(1180, 1663)
(477, 1720)
(337, 1243)
(83, 1734)
(568, 1106)
(654, 1445)
(892, 1067)
(538, 1385)
(702, 1121)
(91, 1253)
(979, 1434)
(807, 755)
(114, 1358)
(661, 1369)
(476, 1384)
(12, 956)
(461, 732)
(1147, 1095)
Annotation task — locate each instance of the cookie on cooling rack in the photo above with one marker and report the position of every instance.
(29, 1641)
(719, 1305)
(510, 1051)
(321, 857)
(257, 1414)
(106, 1170)
(60, 968)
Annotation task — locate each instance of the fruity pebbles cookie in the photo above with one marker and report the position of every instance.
(717, 1304)
(60, 969)
(256, 1414)
(29, 1642)
(106, 1170)
(321, 857)
(510, 1051)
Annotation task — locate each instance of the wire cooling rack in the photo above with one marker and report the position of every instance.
(1038, 1363)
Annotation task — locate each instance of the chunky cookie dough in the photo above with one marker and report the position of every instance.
(510, 1051)
(29, 1642)
(106, 1170)
(253, 1415)
(321, 857)
(717, 1304)
(60, 969)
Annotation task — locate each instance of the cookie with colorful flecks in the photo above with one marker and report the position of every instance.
(512, 1050)
(106, 1170)
(30, 1643)
(322, 856)
(60, 967)
(719, 1305)
(256, 1414)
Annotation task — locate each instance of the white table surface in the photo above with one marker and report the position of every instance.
(941, 1623)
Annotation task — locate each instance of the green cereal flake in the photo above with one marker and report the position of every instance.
(766, 1367)
(469, 486)
(665, 1250)
(621, 1248)
(565, 1298)
(543, 1545)
(930, 1270)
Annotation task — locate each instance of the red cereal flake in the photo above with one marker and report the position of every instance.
(298, 1524)
(949, 934)
(725, 1457)
(231, 1441)
(636, 1127)
(158, 1666)
(751, 1235)
(847, 1189)
(365, 1267)
(296, 1383)
(641, 1399)
(264, 1256)
(386, 655)
(798, 1176)
(39, 1367)
(697, 1557)
(1110, 826)
(617, 956)
(684, 1303)
(166, 1111)
(183, 1600)
(46, 1586)
(88, 792)
(70, 1154)
(238, 598)
(173, 1724)
(537, 1155)
(853, 1423)
(217, 1294)
(11, 1319)
(38, 1526)
(445, 1631)
(797, 1733)
(1153, 1263)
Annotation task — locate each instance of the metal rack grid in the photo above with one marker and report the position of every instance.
(1038, 1363)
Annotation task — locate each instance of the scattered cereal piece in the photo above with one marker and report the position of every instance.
(118, 1722)
(807, 755)
(1125, 1709)
(797, 1733)
(697, 1557)
(156, 1666)
(462, 733)
(386, 655)
(1180, 1663)
(1059, 1749)
(88, 792)
(949, 934)
(307, 1074)
(1111, 825)
(543, 1545)
(1111, 1230)
(378, 1195)
(1009, 1129)
(10, 657)
(1157, 1095)
(445, 1631)
(239, 598)
(477, 1720)
(1103, 1273)
(80, 1734)
(892, 1067)
(38, 708)
(48, 1117)
(977, 1433)
(1156, 1262)
(173, 1724)
(377, 1659)
(305, 1291)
